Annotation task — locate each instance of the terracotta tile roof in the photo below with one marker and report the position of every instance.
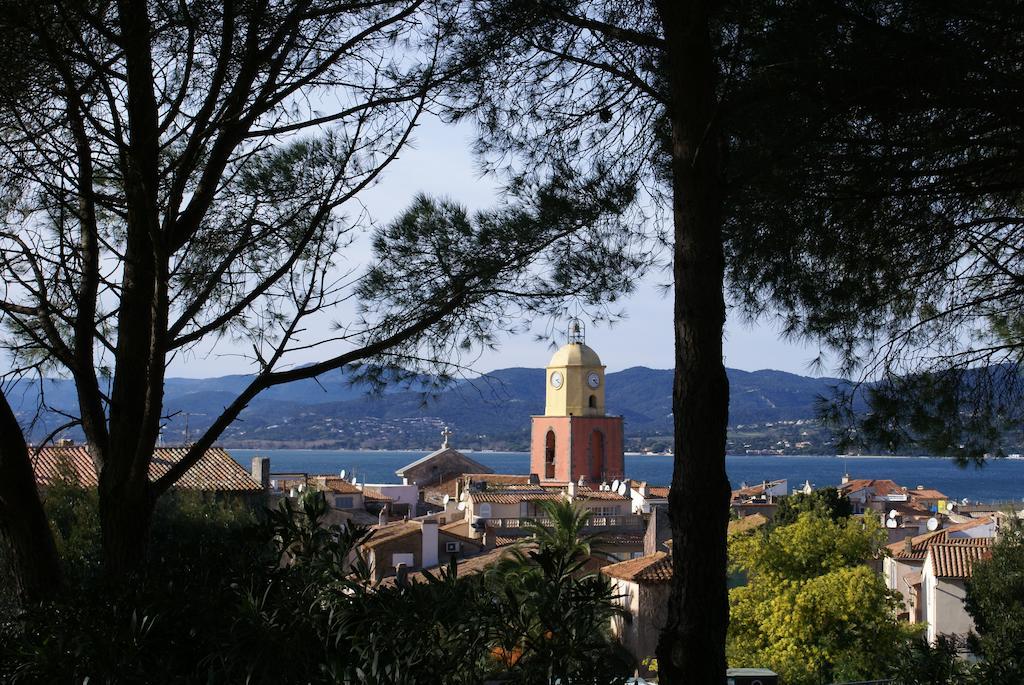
(460, 530)
(467, 566)
(215, 471)
(338, 485)
(879, 487)
(920, 543)
(653, 568)
(754, 490)
(439, 490)
(955, 558)
(514, 496)
(436, 454)
(390, 532)
(502, 478)
(375, 495)
(509, 538)
(911, 508)
(586, 493)
(747, 523)
(926, 493)
(660, 491)
(620, 539)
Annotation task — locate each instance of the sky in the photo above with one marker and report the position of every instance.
(440, 164)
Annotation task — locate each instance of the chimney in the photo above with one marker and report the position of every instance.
(488, 538)
(642, 489)
(908, 544)
(429, 552)
(571, 489)
(846, 478)
(402, 575)
(261, 471)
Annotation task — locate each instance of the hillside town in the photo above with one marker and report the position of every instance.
(447, 513)
(301, 304)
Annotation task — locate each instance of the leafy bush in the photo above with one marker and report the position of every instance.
(232, 593)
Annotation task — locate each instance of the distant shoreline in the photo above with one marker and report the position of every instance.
(427, 450)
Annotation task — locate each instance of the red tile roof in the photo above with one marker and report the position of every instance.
(514, 496)
(215, 471)
(879, 487)
(390, 532)
(919, 544)
(747, 523)
(497, 478)
(375, 495)
(338, 485)
(955, 558)
(658, 491)
(467, 566)
(926, 493)
(653, 568)
(755, 490)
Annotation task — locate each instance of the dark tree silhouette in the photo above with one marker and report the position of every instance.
(181, 174)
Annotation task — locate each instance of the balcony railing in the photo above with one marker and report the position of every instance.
(632, 521)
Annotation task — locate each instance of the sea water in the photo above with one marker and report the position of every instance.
(997, 480)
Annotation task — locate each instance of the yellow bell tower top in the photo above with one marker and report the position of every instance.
(575, 378)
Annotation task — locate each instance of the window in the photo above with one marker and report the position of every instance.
(343, 502)
(604, 511)
(484, 511)
(597, 456)
(549, 455)
(593, 402)
(403, 558)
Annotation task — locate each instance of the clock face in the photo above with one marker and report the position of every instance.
(556, 379)
(593, 380)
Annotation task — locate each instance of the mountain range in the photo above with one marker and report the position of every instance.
(768, 410)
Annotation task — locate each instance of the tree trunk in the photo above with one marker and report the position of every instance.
(691, 649)
(35, 567)
(136, 399)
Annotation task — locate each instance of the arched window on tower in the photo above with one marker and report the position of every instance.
(597, 456)
(549, 455)
(593, 402)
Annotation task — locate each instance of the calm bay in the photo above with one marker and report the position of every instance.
(998, 480)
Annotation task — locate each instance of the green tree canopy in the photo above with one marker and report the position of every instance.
(825, 503)
(813, 610)
(995, 599)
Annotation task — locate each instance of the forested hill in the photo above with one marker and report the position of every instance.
(488, 412)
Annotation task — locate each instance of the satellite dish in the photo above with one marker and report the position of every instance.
(933, 523)
(446, 499)
(950, 506)
(891, 523)
(893, 513)
(615, 485)
(462, 506)
(622, 489)
(582, 481)
(463, 496)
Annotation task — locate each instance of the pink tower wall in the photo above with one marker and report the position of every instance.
(575, 432)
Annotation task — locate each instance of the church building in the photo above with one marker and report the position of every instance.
(575, 439)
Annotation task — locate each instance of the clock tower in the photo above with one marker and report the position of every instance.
(575, 439)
